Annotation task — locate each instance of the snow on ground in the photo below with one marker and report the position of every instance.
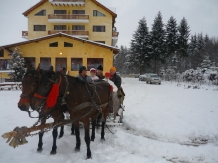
(162, 123)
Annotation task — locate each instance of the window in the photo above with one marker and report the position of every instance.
(60, 11)
(39, 27)
(60, 63)
(103, 42)
(45, 63)
(41, 13)
(2, 53)
(60, 27)
(94, 62)
(67, 44)
(4, 64)
(30, 60)
(78, 27)
(53, 44)
(97, 13)
(76, 63)
(98, 28)
(78, 11)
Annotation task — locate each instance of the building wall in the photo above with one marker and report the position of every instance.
(89, 7)
(79, 50)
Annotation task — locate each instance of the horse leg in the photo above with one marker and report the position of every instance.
(54, 147)
(87, 138)
(61, 132)
(72, 130)
(93, 130)
(78, 141)
(40, 144)
(102, 131)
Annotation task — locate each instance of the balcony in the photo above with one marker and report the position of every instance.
(64, 18)
(78, 3)
(25, 34)
(114, 38)
(76, 33)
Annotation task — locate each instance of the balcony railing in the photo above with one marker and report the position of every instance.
(75, 32)
(64, 18)
(78, 3)
(25, 34)
(68, 1)
(115, 34)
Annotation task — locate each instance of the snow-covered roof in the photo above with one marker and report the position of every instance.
(115, 50)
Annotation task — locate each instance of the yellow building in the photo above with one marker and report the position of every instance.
(66, 33)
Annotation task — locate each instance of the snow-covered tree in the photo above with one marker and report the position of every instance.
(17, 64)
(120, 59)
(157, 44)
(140, 46)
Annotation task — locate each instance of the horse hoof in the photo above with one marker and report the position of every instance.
(73, 134)
(92, 139)
(89, 157)
(53, 152)
(39, 150)
(76, 149)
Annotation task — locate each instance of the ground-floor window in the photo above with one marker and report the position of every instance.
(30, 60)
(76, 63)
(45, 63)
(60, 63)
(94, 62)
(4, 64)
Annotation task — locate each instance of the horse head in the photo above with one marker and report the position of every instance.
(41, 94)
(30, 83)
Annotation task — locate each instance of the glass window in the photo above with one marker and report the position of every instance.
(97, 13)
(67, 44)
(53, 44)
(39, 27)
(60, 27)
(98, 28)
(60, 11)
(2, 53)
(30, 60)
(4, 64)
(76, 63)
(78, 27)
(45, 63)
(41, 13)
(78, 11)
(94, 63)
(60, 63)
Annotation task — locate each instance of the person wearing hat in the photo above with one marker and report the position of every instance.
(64, 71)
(100, 72)
(93, 74)
(83, 75)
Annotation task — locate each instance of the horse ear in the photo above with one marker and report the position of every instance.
(38, 68)
(51, 69)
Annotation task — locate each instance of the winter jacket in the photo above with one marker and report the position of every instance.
(101, 76)
(86, 78)
(112, 84)
(116, 79)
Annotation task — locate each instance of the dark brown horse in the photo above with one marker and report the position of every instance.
(30, 83)
(85, 101)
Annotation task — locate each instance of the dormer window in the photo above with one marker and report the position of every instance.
(41, 13)
(97, 13)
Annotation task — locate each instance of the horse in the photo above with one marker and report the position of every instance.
(85, 102)
(30, 83)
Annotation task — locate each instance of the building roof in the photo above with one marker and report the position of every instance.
(43, 1)
(114, 49)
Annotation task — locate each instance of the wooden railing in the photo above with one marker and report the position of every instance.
(76, 32)
(65, 16)
(68, 0)
(115, 34)
(24, 33)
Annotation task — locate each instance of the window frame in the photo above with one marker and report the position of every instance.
(52, 46)
(77, 12)
(64, 12)
(95, 27)
(43, 11)
(77, 27)
(96, 12)
(65, 27)
(94, 65)
(61, 63)
(41, 30)
(40, 59)
(79, 64)
(33, 63)
(1, 52)
(65, 45)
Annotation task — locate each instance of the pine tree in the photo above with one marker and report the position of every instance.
(157, 48)
(120, 59)
(17, 64)
(139, 46)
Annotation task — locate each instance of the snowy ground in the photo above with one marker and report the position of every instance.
(162, 123)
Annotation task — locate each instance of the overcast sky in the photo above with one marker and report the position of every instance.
(202, 16)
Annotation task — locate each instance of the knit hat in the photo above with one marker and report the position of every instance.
(100, 68)
(107, 74)
(82, 68)
(92, 69)
(113, 69)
